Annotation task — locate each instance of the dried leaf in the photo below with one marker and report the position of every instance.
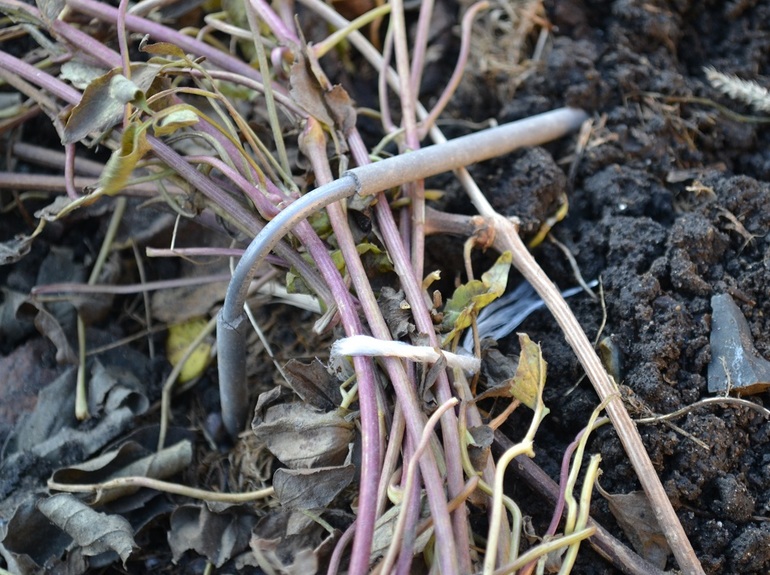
(130, 459)
(291, 543)
(386, 526)
(311, 488)
(95, 533)
(104, 101)
(313, 384)
(530, 373)
(306, 91)
(397, 312)
(472, 297)
(80, 74)
(50, 436)
(216, 536)
(49, 326)
(331, 105)
(13, 250)
(301, 437)
(636, 517)
(31, 540)
(184, 303)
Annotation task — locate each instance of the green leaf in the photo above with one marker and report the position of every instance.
(470, 298)
(528, 382)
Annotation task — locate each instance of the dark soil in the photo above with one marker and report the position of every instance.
(653, 206)
(653, 203)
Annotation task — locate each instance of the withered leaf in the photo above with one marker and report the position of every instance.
(31, 540)
(49, 326)
(530, 373)
(396, 312)
(129, 459)
(386, 526)
(313, 384)
(331, 106)
(311, 488)
(635, 516)
(105, 99)
(301, 437)
(14, 249)
(291, 543)
(216, 536)
(95, 533)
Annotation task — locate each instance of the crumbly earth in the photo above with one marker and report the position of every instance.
(669, 205)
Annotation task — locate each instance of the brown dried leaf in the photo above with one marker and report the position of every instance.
(13, 250)
(306, 91)
(636, 517)
(311, 488)
(291, 543)
(95, 533)
(301, 437)
(386, 526)
(218, 536)
(105, 99)
(313, 383)
(331, 106)
(129, 459)
(49, 326)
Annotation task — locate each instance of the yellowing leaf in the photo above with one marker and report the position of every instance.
(172, 119)
(133, 147)
(180, 337)
(164, 49)
(472, 297)
(527, 384)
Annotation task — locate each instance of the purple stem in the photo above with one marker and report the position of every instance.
(414, 295)
(284, 34)
(367, 395)
(107, 13)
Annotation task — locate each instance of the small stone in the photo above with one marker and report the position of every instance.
(735, 365)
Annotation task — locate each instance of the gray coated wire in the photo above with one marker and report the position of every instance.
(364, 180)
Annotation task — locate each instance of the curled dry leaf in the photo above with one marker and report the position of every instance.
(635, 516)
(301, 437)
(130, 459)
(311, 488)
(218, 536)
(313, 384)
(293, 543)
(105, 99)
(93, 532)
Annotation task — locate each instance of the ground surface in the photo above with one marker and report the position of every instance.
(669, 205)
(653, 210)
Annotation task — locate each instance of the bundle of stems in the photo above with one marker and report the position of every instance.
(144, 111)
